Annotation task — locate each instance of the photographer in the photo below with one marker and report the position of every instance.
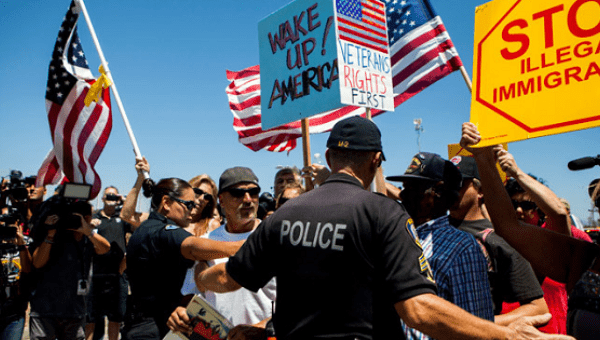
(62, 248)
(14, 296)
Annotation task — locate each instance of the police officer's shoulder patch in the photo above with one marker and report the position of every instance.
(410, 226)
(171, 227)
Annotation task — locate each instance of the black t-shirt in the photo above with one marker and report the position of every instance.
(511, 277)
(341, 255)
(113, 229)
(156, 268)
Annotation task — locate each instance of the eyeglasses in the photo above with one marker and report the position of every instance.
(199, 192)
(239, 192)
(525, 205)
(188, 204)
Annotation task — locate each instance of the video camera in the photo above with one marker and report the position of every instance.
(71, 198)
(17, 185)
(7, 231)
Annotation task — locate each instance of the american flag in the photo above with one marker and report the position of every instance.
(362, 22)
(79, 133)
(421, 54)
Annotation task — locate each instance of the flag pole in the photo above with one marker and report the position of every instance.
(136, 149)
(306, 151)
(466, 77)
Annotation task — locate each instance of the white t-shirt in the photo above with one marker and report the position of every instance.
(241, 307)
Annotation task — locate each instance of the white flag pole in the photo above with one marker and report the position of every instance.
(466, 77)
(136, 149)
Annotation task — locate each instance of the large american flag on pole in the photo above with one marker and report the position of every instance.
(79, 132)
(421, 54)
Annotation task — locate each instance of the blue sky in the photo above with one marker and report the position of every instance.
(168, 59)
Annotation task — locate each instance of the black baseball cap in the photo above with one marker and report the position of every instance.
(355, 133)
(426, 166)
(236, 175)
(467, 166)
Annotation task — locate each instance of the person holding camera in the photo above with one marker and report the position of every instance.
(62, 248)
(14, 296)
(108, 296)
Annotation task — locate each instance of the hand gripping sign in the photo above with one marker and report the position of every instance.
(536, 68)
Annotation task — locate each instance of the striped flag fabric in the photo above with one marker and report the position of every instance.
(79, 132)
(420, 47)
(421, 54)
(244, 102)
(362, 22)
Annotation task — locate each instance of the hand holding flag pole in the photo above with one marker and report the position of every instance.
(136, 149)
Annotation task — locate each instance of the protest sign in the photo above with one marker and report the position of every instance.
(535, 68)
(455, 151)
(302, 56)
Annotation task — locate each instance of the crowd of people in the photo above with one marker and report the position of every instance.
(453, 253)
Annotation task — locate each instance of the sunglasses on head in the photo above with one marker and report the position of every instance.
(206, 195)
(525, 205)
(239, 192)
(188, 204)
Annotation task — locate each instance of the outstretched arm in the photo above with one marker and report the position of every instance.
(441, 319)
(128, 213)
(546, 199)
(569, 257)
(215, 279)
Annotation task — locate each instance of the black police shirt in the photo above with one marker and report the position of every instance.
(342, 257)
(113, 229)
(155, 266)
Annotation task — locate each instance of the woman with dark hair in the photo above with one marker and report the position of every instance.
(158, 255)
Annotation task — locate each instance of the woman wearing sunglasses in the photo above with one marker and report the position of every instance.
(206, 191)
(158, 255)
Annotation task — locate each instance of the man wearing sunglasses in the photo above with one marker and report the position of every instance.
(536, 204)
(249, 311)
(511, 277)
(346, 264)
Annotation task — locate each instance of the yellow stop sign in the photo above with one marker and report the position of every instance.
(536, 68)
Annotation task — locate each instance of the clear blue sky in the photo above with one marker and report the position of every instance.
(168, 59)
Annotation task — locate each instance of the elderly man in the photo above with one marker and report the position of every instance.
(249, 311)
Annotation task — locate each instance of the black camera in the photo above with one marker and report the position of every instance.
(7, 231)
(17, 185)
(72, 198)
(112, 197)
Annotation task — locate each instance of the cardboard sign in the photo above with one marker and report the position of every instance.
(302, 57)
(455, 150)
(536, 68)
(364, 54)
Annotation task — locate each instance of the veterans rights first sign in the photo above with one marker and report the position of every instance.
(536, 68)
(318, 55)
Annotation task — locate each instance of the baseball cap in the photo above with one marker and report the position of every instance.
(426, 166)
(467, 166)
(236, 175)
(355, 133)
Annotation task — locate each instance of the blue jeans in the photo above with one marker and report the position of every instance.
(13, 330)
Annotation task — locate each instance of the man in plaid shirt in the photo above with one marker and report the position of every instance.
(430, 187)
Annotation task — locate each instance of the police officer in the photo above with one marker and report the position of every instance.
(158, 255)
(344, 256)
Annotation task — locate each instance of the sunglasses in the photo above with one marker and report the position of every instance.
(283, 200)
(188, 204)
(206, 195)
(525, 205)
(239, 192)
